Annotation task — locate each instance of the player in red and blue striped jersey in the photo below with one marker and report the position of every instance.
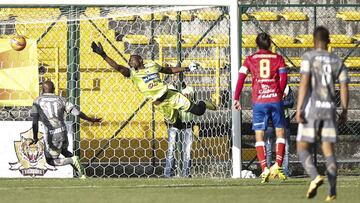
(269, 77)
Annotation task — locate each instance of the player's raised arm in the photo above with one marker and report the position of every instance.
(98, 49)
(240, 85)
(172, 70)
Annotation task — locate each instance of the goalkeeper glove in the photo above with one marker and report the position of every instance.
(193, 66)
(97, 48)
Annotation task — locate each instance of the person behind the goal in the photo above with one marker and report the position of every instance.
(269, 77)
(50, 109)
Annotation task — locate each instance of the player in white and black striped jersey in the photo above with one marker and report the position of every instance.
(50, 109)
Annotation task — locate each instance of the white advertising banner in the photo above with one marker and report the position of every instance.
(20, 159)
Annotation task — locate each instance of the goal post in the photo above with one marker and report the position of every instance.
(132, 139)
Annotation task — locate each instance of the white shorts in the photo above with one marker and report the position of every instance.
(327, 129)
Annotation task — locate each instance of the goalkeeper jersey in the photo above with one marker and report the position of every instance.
(148, 81)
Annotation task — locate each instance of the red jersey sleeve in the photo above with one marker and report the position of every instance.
(282, 73)
(244, 70)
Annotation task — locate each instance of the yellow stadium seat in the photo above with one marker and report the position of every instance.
(245, 17)
(356, 37)
(165, 39)
(192, 39)
(295, 60)
(185, 15)
(265, 16)
(92, 11)
(294, 16)
(125, 18)
(136, 39)
(220, 39)
(352, 62)
(305, 39)
(173, 62)
(208, 15)
(349, 15)
(282, 40)
(157, 16)
(211, 63)
(340, 39)
(249, 40)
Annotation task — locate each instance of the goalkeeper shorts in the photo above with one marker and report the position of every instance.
(171, 103)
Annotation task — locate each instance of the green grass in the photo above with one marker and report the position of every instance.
(169, 190)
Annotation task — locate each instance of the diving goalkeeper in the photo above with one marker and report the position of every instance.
(146, 78)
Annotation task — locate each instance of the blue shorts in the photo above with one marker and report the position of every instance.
(262, 112)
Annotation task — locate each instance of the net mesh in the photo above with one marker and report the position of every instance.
(132, 139)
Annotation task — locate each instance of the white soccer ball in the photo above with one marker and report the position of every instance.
(247, 174)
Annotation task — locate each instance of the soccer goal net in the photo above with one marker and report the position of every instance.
(132, 139)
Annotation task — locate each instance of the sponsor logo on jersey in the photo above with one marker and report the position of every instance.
(151, 77)
(266, 89)
(324, 104)
(31, 157)
(326, 59)
(267, 96)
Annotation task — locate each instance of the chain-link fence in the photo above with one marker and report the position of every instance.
(291, 28)
(132, 139)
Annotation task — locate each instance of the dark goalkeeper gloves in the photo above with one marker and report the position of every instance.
(97, 48)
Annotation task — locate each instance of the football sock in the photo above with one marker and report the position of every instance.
(260, 152)
(331, 170)
(307, 163)
(62, 161)
(280, 150)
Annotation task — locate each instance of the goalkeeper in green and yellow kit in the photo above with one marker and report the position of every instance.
(147, 79)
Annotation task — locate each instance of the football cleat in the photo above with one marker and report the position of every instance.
(78, 166)
(210, 105)
(330, 198)
(265, 175)
(314, 185)
(276, 171)
(83, 177)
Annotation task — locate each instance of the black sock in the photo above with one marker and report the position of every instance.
(307, 163)
(331, 170)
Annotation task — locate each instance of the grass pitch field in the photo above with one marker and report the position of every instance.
(169, 190)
